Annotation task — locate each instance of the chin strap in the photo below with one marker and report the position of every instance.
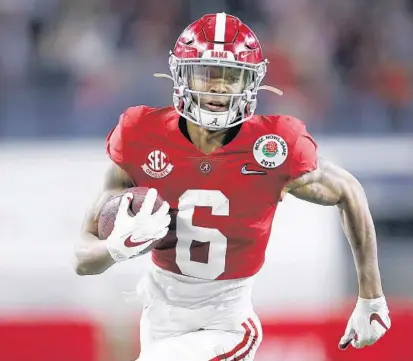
(262, 87)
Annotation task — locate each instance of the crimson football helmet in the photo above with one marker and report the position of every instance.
(217, 67)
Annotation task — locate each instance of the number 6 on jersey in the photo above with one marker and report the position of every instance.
(186, 233)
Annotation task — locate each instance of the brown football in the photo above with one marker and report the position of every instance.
(110, 209)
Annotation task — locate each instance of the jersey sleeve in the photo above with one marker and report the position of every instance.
(304, 157)
(122, 139)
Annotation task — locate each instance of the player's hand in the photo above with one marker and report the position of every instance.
(132, 235)
(369, 321)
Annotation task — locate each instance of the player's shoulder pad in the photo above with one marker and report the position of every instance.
(134, 117)
(286, 126)
(293, 130)
(302, 148)
(130, 128)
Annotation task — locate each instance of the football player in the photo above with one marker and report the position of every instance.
(222, 171)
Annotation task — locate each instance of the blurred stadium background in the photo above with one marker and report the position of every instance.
(68, 68)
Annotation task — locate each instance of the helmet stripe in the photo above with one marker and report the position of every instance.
(220, 21)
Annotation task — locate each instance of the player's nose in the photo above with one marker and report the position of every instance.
(218, 87)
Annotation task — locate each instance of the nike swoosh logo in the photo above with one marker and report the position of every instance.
(246, 171)
(129, 243)
(376, 317)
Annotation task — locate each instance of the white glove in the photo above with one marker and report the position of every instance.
(133, 235)
(369, 321)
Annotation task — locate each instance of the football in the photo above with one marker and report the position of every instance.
(110, 209)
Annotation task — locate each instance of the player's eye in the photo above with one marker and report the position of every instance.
(233, 79)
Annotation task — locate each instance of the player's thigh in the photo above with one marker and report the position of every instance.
(208, 345)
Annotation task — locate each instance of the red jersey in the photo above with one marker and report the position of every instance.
(225, 201)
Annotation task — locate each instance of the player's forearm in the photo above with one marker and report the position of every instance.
(332, 185)
(359, 228)
(92, 256)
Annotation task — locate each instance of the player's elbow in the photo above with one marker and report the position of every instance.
(352, 193)
(85, 269)
(84, 266)
(81, 268)
(92, 260)
(91, 256)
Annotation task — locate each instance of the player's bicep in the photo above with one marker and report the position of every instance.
(115, 181)
(327, 185)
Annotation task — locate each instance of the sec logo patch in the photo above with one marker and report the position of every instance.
(270, 151)
(157, 164)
